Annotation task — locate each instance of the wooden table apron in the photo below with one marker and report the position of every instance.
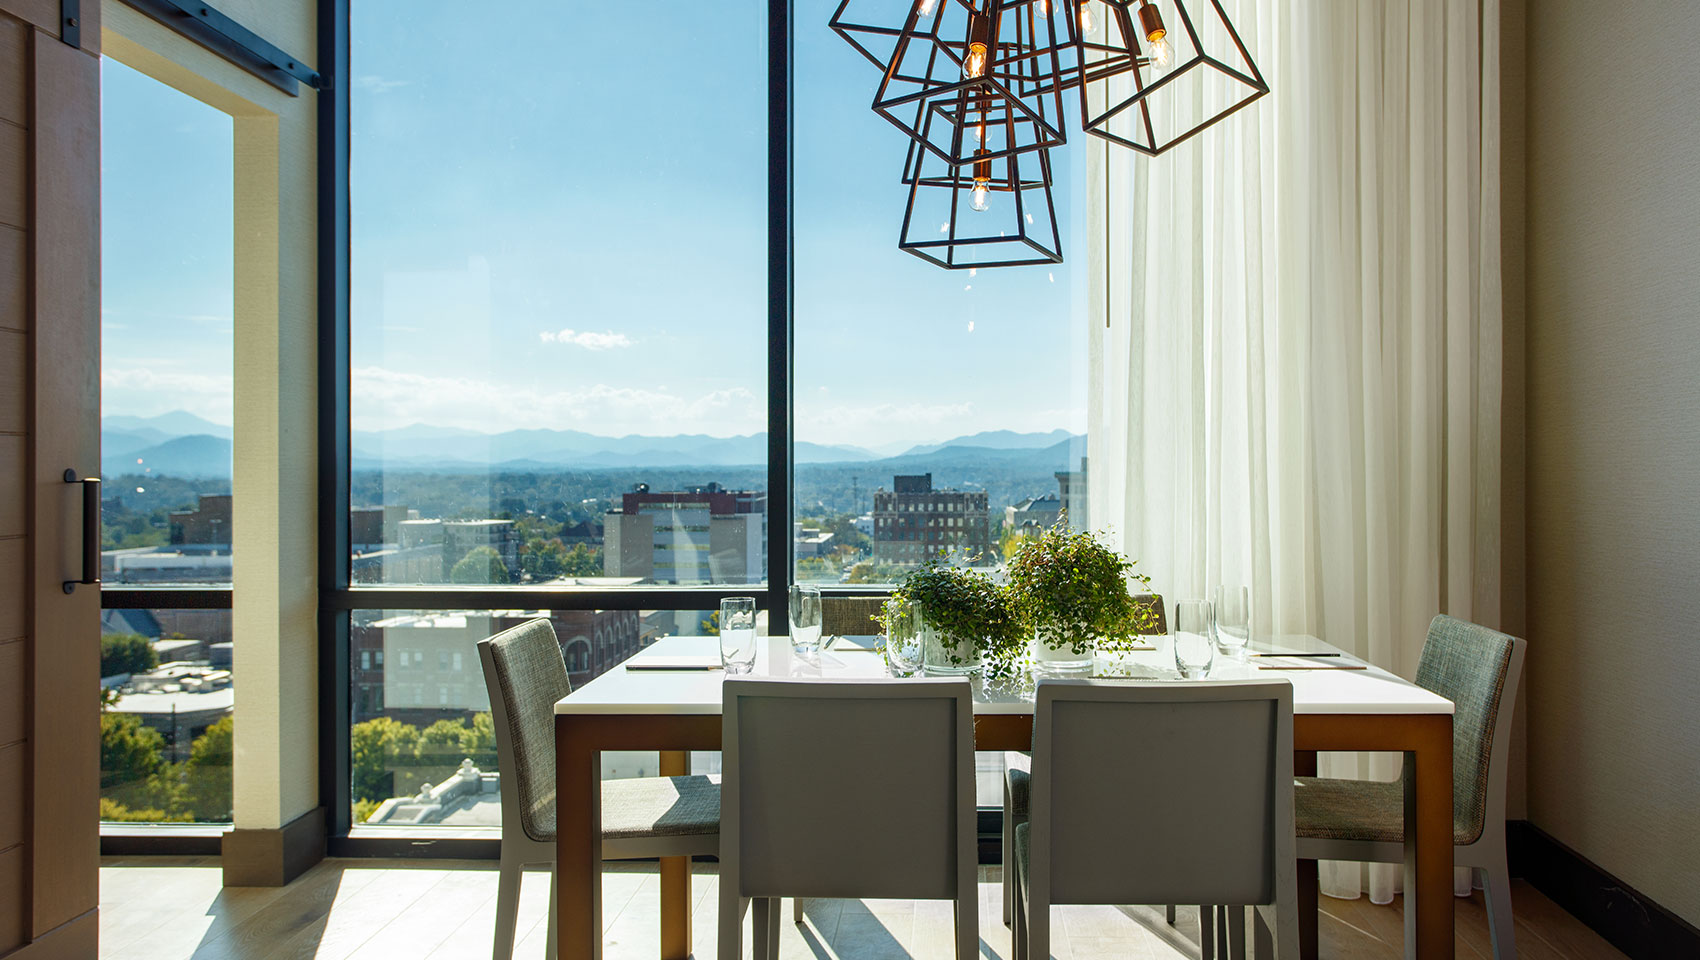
(1426, 739)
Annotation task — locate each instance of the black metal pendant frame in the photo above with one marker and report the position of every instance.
(925, 70)
(971, 238)
(1129, 121)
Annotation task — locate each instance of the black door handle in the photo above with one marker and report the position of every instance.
(91, 530)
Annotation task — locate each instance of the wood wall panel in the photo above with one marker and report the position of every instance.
(14, 280)
(14, 72)
(14, 175)
(13, 474)
(14, 698)
(14, 913)
(14, 586)
(14, 375)
(13, 762)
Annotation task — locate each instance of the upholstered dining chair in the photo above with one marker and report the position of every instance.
(1478, 669)
(1193, 805)
(1017, 780)
(646, 817)
(850, 616)
(808, 763)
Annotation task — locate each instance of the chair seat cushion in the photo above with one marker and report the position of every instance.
(1328, 809)
(655, 807)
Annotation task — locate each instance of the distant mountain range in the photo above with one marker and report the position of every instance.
(181, 444)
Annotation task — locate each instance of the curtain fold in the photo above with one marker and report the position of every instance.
(1294, 360)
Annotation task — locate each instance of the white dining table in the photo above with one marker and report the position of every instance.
(676, 709)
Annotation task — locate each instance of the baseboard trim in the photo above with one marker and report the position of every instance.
(160, 840)
(272, 858)
(1629, 921)
(75, 939)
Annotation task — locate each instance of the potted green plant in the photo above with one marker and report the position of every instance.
(1071, 592)
(960, 616)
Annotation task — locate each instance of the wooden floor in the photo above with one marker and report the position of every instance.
(175, 909)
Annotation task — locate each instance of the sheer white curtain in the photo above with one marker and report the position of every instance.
(1295, 356)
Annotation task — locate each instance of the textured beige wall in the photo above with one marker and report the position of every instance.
(1613, 338)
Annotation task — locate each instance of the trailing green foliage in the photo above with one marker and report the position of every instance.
(966, 607)
(1072, 589)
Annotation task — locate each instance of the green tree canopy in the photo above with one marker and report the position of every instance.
(129, 751)
(126, 653)
(372, 746)
(206, 774)
(480, 565)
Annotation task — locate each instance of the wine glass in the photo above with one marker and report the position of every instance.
(738, 634)
(1233, 620)
(1194, 638)
(805, 622)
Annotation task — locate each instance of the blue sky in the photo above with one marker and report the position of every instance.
(565, 228)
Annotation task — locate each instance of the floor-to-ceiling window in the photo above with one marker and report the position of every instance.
(558, 379)
(564, 287)
(167, 650)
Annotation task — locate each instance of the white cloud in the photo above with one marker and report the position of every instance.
(147, 392)
(384, 398)
(373, 83)
(587, 339)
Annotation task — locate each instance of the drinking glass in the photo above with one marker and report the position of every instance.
(805, 622)
(738, 634)
(1233, 620)
(1194, 638)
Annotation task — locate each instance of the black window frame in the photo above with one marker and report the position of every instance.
(338, 597)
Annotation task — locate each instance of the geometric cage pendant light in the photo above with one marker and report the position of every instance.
(978, 88)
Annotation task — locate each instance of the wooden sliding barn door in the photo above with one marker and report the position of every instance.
(49, 423)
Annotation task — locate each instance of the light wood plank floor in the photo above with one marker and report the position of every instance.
(175, 909)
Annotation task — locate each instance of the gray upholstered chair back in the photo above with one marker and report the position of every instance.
(1476, 668)
(848, 789)
(850, 616)
(525, 675)
(1162, 792)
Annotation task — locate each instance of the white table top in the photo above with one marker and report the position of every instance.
(697, 692)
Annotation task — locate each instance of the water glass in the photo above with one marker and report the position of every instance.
(805, 622)
(1233, 620)
(738, 634)
(1194, 638)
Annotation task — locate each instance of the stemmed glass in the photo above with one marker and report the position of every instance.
(805, 622)
(1233, 620)
(1194, 638)
(738, 634)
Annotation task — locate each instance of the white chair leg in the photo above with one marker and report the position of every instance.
(1236, 933)
(553, 899)
(1018, 919)
(1169, 914)
(507, 907)
(1496, 884)
(796, 909)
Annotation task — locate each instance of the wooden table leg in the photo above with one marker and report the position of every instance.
(1304, 765)
(1428, 840)
(675, 879)
(578, 844)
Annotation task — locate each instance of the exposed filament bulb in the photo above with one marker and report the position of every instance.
(981, 198)
(926, 7)
(1159, 50)
(1042, 9)
(974, 65)
(1088, 22)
